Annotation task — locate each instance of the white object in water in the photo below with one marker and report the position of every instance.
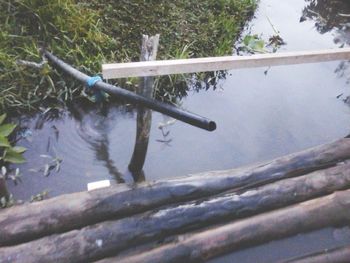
(98, 185)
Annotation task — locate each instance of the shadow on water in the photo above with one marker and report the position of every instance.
(79, 139)
(92, 128)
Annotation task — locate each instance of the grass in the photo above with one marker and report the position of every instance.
(87, 33)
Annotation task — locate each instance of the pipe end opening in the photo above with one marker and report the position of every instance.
(212, 126)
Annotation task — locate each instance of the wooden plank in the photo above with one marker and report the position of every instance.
(179, 66)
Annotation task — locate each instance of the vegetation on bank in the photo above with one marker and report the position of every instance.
(86, 33)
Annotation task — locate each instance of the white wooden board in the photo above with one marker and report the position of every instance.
(179, 66)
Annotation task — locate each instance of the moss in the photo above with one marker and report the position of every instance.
(88, 33)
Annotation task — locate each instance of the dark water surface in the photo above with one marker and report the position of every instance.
(260, 114)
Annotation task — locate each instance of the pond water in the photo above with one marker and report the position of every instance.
(260, 114)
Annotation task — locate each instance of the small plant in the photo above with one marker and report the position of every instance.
(53, 163)
(6, 202)
(15, 177)
(254, 44)
(40, 196)
(162, 127)
(9, 154)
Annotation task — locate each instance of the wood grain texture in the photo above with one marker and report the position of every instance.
(180, 66)
(118, 235)
(331, 210)
(73, 211)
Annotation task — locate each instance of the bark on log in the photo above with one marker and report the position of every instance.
(149, 50)
(332, 210)
(31, 221)
(152, 226)
(338, 255)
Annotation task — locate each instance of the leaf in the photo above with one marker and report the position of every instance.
(13, 157)
(3, 202)
(247, 40)
(58, 166)
(4, 142)
(47, 170)
(19, 149)
(45, 156)
(3, 170)
(2, 118)
(258, 45)
(7, 129)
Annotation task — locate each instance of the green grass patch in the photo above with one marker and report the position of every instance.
(88, 33)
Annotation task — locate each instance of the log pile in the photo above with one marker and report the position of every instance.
(189, 219)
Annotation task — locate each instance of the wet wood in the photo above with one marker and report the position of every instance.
(149, 50)
(31, 221)
(156, 225)
(337, 255)
(180, 66)
(202, 246)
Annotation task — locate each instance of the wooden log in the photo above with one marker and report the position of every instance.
(31, 221)
(149, 50)
(180, 66)
(154, 226)
(337, 255)
(332, 210)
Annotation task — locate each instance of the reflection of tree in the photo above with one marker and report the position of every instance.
(96, 137)
(327, 14)
(331, 15)
(175, 87)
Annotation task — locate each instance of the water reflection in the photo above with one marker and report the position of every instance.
(332, 16)
(174, 88)
(93, 126)
(328, 15)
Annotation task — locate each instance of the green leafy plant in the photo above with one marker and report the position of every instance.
(9, 153)
(254, 44)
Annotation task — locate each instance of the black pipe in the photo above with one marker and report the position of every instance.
(131, 97)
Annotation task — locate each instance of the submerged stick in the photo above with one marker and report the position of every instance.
(154, 226)
(131, 97)
(4, 193)
(149, 50)
(72, 211)
(337, 255)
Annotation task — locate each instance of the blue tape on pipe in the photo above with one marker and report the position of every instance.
(92, 81)
(98, 95)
